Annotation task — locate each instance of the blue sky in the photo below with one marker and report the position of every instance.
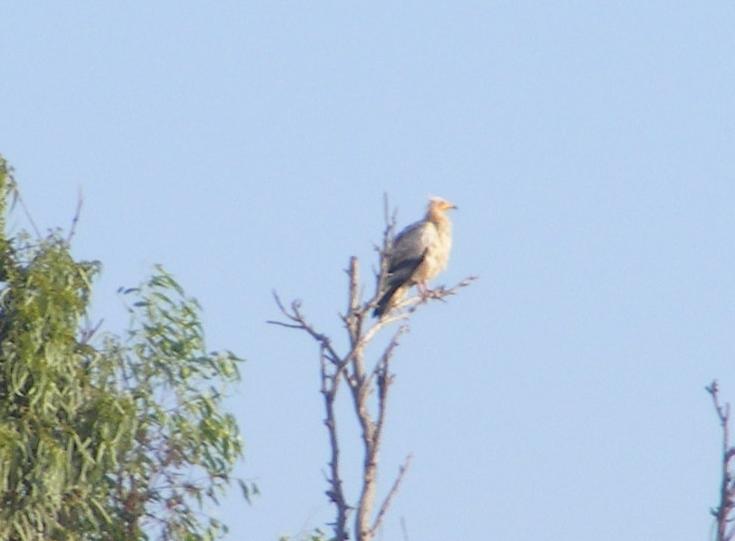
(589, 146)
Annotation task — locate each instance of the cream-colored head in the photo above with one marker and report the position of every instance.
(436, 212)
(439, 204)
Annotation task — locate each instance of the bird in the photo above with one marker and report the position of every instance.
(418, 254)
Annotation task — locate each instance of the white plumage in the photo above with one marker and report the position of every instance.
(419, 253)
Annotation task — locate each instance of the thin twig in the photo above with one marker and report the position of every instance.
(437, 294)
(411, 302)
(384, 379)
(75, 220)
(404, 530)
(300, 322)
(282, 324)
(383, 255)
(19, 199)
(89, 332)
(391, 494)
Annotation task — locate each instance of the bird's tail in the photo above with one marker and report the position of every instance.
(384, 303)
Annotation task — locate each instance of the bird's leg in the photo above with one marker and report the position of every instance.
(423, 289)
(419, 288)
(427, 293)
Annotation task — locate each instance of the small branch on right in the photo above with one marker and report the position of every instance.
(389, 498)
(727, 484)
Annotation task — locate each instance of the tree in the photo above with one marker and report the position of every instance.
(368, 383)
(104, 436)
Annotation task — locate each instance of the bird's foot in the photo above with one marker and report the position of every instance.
(425, 293)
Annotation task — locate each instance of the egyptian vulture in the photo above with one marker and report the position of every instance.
(418, 254)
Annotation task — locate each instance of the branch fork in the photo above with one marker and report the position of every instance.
(368, 385)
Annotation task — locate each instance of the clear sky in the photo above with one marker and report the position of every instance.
(590, 147)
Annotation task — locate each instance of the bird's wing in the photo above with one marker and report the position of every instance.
(407, 253)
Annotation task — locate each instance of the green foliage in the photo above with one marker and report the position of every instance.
(316, 535)
(185, 446)
(117, 438)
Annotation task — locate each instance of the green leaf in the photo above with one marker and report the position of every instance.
(85, 431)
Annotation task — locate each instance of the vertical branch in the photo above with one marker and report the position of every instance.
(329, 386)
(384, 252)
(359, 386)
(353, 323)
(372, 432)
(362, 380)
(17, 198)
(384, 378)
(389, 498)
(360, 393)
(727, 484)
(75, 220)
(353, 319)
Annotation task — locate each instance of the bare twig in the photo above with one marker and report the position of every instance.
(391, 493)
(75, 220)
(282, 324)
(330, 384)
(17, 198)
(297, 317)
(88, 332)
(384, 252)
(404, 530)
(438, 294)
(384, 378)
(727, 485)
(362, 379)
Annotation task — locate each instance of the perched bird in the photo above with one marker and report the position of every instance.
(418, 254)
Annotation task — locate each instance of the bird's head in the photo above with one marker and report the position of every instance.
(437, 209)
(439, 204)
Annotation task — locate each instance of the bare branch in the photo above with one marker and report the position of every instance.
(384, 378)
(282, 324)
(75, 219)
(391, 494)
(354, 318)
(279, 303)
(88, 332)
(17, 198)
(404, 530)
(727, 485)
(439, 294)
(368, 382)
(383, 254)
(329, 386)
(300, 322)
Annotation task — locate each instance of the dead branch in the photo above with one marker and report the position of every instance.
(17, 198)
(299, 322)
(391, 493)
(329, 386)
(439, 293)
(89, 331)
(404, 530)
(368, 385)
(727, 484)
(75, 219)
